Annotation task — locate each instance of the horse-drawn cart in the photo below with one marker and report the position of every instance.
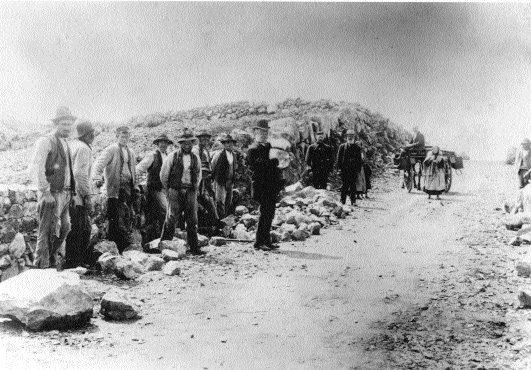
(410, 161)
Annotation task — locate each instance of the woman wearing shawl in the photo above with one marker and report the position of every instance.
(434, 183)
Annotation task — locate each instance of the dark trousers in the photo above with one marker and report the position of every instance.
(320, 180)
(348, 187)
(119, 213)
(267, 213)
(156, 206)
(182, 201)
(78, 240)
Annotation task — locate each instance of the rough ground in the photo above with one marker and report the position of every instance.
(406, 283)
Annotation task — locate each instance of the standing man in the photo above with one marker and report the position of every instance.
(267, 183)
(51, 171)
(78, 240)
(181, 176)
(522, 163)
(320, 160)
(118, 161)
(156, 200)
(349, 162)
(224, 165)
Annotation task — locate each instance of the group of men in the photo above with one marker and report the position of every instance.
(65, 176)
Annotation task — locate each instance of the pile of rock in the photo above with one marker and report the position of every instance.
(301, 213)
(13, 257)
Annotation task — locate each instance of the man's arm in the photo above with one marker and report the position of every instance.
(145, 163)
(81, 171)
(101, 162)
(200, 175)
(165, 170)
(38, 163)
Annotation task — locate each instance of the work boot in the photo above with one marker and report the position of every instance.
(197, 252)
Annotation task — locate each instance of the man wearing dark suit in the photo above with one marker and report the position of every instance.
(349, 162)
(320, 160)
(267, 183)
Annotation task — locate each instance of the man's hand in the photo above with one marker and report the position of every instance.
(49, 200)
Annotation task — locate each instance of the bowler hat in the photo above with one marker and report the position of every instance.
(351, 132)
(162, 137)
(187, 135)
(63, 113)
(262, 124)
(203, 133)
(84, 127)
(226, 138)
(526, 141)
(122, 129)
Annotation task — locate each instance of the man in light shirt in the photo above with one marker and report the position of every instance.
(78, 240)
(51, 171)
(180, 176)
(118, 162)
(224, 167)
(156, 201)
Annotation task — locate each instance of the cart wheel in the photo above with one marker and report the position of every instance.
(448, 177)
(408, 180)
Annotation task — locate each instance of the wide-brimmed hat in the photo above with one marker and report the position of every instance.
(526, 141)
(203, 133)
(262, 124)
(63, 113)
(187, 135)
(123, 130)
(227, 138)
(351, 132)
(162, 137)
(84, 127)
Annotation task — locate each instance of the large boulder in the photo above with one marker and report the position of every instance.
(154, 264)
(294, 188)
(169, 255)
(106, 246)
(46, 299)
(176, 245)
(107, 261)
(17, 246)
(136, 256)
(172, 268)
(240, 232)
(300, 235)
(241, 210)
(116, 306)
(124, 269)
(249, 220)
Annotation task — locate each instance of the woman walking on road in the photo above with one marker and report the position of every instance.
(434, 183)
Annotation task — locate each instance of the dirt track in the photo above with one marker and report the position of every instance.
(405, 283)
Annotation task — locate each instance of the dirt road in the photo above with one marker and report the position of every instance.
(405, 283)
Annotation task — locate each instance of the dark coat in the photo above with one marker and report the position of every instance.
(266, 176)
(320, 158)
(349, 158)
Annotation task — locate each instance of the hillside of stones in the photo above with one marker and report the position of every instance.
(290, 119)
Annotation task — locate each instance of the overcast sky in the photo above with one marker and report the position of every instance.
(459, 71)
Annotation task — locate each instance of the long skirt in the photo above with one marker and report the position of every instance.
(361, 184)
(434, 184)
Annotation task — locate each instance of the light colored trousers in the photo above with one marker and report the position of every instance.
(223, 195)
(54, 226)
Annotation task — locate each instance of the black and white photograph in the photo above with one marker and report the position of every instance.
(265, 185)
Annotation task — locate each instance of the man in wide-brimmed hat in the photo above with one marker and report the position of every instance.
(78, 240)
(267, 183)
(320, 160)
(118, 161)
(156, 200)
(349, 163)
(180, 176)
(522, 163)
(51, 170)
(224, 166)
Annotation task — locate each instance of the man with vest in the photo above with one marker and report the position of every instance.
(205, 197)
(349, 163)
(118, 162)
(224, 166)
(156, 200)
(51, 171)
(180, 176)
(267, 183)
(78, 240)
(320, 160)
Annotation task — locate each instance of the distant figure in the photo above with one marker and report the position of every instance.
(156, 201)
(118, 162)
(434, 183)
(522, 163)
(320, 160)
(418, 142)
(78, 240)
(349, 163)
(51, 171)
